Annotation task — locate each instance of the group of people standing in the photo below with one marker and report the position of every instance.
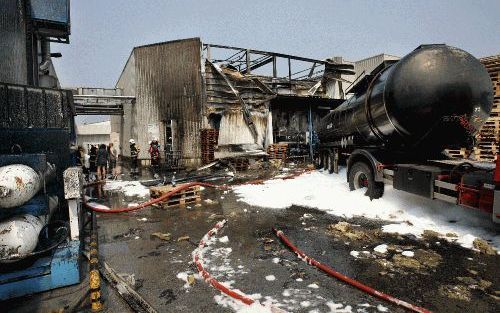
(154, 153)
(98, 162)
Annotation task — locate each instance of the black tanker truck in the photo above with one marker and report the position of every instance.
(401, 117)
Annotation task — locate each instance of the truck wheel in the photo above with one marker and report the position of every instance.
(361, 177)
(330, 162)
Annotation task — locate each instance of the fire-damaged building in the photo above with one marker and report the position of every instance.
(251, 99)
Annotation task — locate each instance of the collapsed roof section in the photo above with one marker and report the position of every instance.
(303, 77)
(244, 81)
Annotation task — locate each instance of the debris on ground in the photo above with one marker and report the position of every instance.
(484, 284)
(484, 247)
(467, 280)
(317, 188)
(276, 163)
(430, 234)
(162, 236)
(402, 261)
(458, 292)
(210, 201)
(428, 258)
(214, 217)
(132, 232)
(183, 238)
(191, 279)
(128, 278)
(473, 272)
(346, 229)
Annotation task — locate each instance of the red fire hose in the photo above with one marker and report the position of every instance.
(104, 209)
(330, 271)
(197, 258)
(149, 202)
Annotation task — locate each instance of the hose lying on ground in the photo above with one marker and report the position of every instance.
(330, 271)
(104, 209)
(197, 258)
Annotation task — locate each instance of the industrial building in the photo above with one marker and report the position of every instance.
(79, 238)
(94, 134)
(251, 97)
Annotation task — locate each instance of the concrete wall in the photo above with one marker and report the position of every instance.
(85, 140)
(122, 126)
(13, 62)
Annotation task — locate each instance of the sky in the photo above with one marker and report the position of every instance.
(103, 33)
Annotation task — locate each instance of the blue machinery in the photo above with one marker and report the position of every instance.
(42, 134)
(58, 267)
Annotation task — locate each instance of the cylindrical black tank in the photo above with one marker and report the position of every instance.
(436, 97)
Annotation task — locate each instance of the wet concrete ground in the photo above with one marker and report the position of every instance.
(127, 246)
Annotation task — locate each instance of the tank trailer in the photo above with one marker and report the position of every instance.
(401, 118)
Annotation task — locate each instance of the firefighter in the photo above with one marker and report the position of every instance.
(154, 152)
(134, 157)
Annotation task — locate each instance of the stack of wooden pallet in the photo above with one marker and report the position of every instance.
(186, 196)
(489, 135)
(240, 164)
(209, 138)
(487, 140)
(277, 151)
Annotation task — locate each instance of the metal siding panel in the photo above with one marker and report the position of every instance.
(13, 42)
(169, 87)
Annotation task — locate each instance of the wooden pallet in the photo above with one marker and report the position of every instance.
(181, 198)
(489, 134)
(457, 153)
(240, 164)
(209, 139)
(277, 151)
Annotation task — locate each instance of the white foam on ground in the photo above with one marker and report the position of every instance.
(409, 254)
(130, 188)
(270, 278)
(239, 307)
(381, 248)
(338, 307)
(330, 193)
(184, 277)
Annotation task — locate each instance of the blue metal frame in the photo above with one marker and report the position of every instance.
(62, 268)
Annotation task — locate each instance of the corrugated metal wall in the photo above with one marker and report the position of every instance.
(12, 42)
(168, 87)
(369, 64)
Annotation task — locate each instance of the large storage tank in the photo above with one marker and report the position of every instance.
(435, 97)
